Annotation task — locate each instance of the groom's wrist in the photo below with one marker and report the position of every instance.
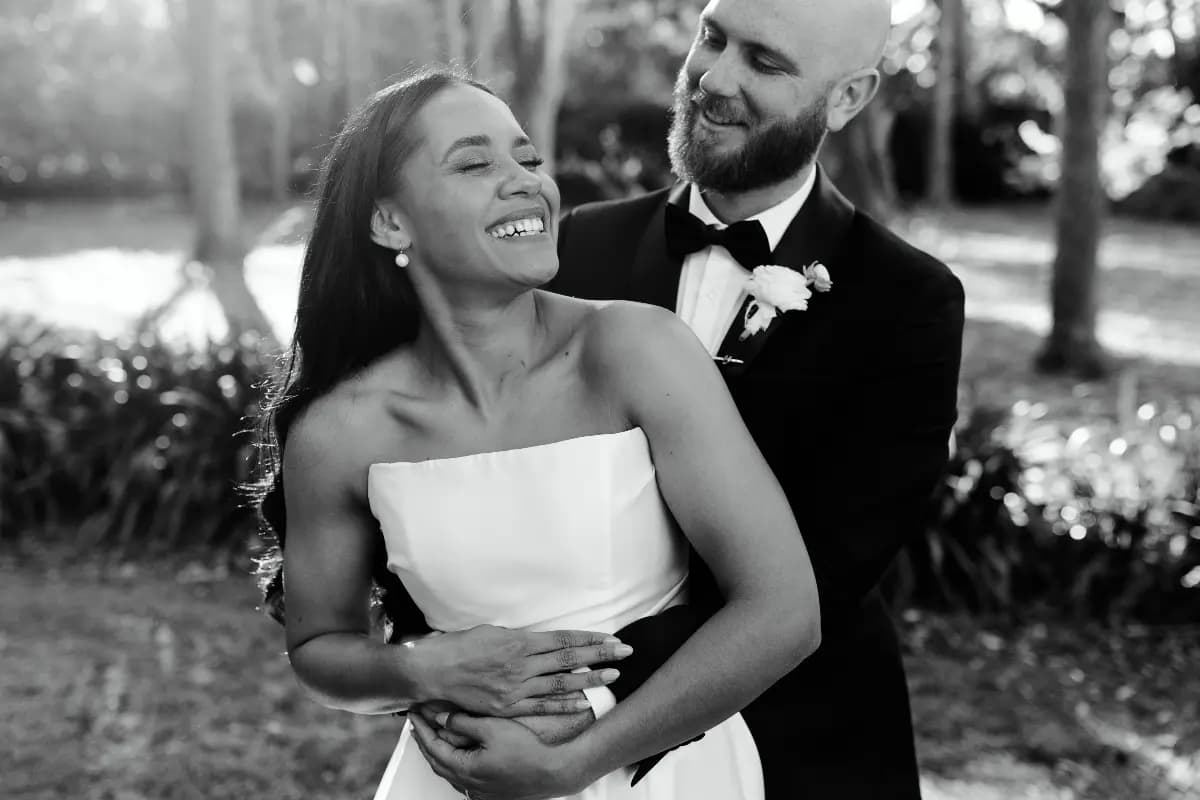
(581, 762)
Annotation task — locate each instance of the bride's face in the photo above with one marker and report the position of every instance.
(479, 208)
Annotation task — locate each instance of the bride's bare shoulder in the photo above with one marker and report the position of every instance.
(343, 430)
(625, 338)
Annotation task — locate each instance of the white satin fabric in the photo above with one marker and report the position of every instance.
(572, 534)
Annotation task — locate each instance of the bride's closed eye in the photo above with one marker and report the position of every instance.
(531, 163)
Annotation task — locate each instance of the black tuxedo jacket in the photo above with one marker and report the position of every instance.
(852, 403)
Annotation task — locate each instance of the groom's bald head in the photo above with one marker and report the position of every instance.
(765, 80)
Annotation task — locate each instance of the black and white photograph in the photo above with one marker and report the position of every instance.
(600, 399)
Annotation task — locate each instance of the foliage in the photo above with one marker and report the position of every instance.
(129, 445)
(1101, 521)
(137, 448)
(93, 95)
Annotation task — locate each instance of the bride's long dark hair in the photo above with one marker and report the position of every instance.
(355, 305)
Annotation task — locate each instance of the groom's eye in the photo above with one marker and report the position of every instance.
(710, 37)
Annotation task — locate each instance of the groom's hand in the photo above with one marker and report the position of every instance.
(559, 728)
(509, 762)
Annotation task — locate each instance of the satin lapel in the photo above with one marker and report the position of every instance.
(655, 277)
(816, 234)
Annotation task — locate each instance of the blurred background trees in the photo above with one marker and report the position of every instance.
(95, 95)
(225, 109)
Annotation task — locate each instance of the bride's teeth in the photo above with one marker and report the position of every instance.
(518, 228)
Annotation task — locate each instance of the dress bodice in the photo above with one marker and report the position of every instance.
(571, 534)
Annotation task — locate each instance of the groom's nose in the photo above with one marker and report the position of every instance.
(719, 76)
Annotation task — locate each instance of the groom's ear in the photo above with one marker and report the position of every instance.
(389, 228)
(850, 95)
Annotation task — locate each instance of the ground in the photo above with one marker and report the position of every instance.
(128, 683)
(133, 681)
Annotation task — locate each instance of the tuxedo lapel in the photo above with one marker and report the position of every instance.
(655, 277)
(816, 234)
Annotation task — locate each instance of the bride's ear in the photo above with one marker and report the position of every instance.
(388, 228)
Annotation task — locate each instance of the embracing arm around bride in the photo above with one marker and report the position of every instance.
(657, 376)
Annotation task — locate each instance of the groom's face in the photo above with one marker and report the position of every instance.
(750, 100)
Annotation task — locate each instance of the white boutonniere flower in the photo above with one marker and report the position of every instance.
(775, 289)
(818, 276)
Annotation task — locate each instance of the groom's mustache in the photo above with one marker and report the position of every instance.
(720, 109)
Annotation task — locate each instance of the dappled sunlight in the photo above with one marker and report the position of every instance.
(273, 273)
(108, 290)
(1122, 333)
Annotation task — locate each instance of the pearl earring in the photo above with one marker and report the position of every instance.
(401, 259)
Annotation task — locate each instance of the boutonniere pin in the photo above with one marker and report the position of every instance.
(775, 289)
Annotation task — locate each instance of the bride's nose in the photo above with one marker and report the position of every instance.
(520, 182)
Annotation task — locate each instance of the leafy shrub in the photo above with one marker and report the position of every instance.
(131, 444)
(1100, 521)
(134, 447)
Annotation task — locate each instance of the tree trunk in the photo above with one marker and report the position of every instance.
(454, 38)
(1072, 346)
(526, 53)
(214, 173)
(540, 59)
(354, 59)
(556, 25)
(858, 162)
(482, 27)
(1177, 59)
(967, 96)
(941, 139)
(266, 14)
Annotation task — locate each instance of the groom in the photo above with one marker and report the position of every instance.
(851, 400)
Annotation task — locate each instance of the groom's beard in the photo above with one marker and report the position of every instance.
(770, 153)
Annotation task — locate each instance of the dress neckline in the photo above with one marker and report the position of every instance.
(574, 440)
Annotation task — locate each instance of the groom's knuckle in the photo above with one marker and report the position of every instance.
(563, 639)
(568, 658)
(559, 683)
(541, 707)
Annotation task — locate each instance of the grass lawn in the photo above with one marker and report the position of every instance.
(125, 684)
(131, 682)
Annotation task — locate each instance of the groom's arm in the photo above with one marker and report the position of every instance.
(892, 462)
(895, 454)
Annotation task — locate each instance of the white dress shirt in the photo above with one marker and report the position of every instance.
(712, 286)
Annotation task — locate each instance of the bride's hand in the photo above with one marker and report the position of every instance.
(497, 672)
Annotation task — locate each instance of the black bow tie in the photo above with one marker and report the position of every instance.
(746, 240)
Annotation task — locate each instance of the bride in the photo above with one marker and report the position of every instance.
(526, 464)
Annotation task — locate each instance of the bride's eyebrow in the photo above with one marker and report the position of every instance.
(481, 140)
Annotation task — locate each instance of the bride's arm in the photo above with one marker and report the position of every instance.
(333, 543)
(729, 504)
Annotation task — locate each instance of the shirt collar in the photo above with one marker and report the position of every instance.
(775, 220)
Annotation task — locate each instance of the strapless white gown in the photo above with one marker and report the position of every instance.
(572, 534)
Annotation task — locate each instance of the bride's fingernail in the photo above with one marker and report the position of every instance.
(582, 705)
(610, 675)
(622, 650)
